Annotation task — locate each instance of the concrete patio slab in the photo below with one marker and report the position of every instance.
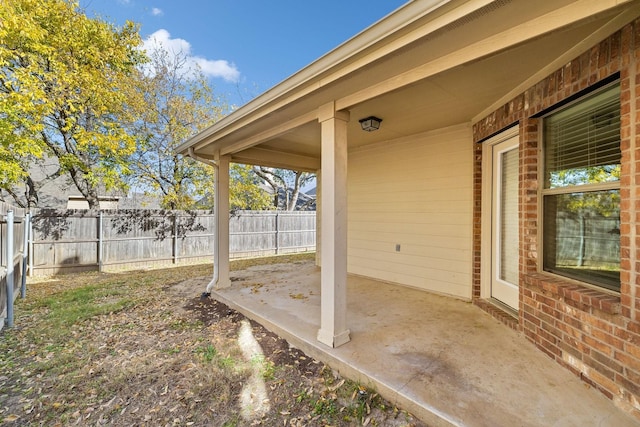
(444, 360)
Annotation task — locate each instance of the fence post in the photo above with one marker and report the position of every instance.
(175, 238)
(100, 241)
(25, 254)
(277, 233)
(10, 269)
(30, 253)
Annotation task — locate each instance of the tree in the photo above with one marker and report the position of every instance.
(67, 85)
(178, 102)
(245, 191)
(285, 181)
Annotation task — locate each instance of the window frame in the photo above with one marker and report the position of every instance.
(581, 188)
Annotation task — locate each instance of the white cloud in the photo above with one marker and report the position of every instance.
(220, 68)
(157, 11)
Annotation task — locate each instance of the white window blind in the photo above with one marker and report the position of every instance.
(583, 140)
(509, 217)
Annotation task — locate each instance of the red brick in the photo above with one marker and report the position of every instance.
(545, 317)
(569, 331)
(632, 349)
(599, 367)
(550, 311)
(634, 327)
(530, 334)
(528, 326)
(573, 347)
(608, 339)
(575, 323)
(606, 360)
(632, 383)
(549, 348)
(550, 302)
(627, 360)
(599, 323)
(595, 344)
(549, 333)
(604, 384)
(577, 304)
(610, 305)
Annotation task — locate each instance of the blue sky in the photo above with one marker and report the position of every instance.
(246, 46)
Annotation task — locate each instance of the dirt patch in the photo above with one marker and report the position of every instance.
(276, 349)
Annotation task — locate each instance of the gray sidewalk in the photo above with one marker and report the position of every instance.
(444, 360)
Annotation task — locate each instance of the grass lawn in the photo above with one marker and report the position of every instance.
(122, 349)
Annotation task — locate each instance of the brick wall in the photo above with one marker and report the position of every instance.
(593, 333)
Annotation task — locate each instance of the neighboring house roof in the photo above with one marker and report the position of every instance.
(60, 193)
(428, 65)
(306, 200)
(114, 201)
(79, 202)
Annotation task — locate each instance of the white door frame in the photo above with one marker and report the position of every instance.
(487, 209)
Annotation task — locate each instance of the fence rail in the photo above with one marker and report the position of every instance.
(79, 240)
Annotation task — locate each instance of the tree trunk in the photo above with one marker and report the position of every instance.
(88, 191)
(31, 193)
(296, 192)
(94, 201)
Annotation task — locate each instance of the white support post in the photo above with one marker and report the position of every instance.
(319, 217)
(333, 277)
(221, 212)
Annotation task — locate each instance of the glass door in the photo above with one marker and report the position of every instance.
(504, 224)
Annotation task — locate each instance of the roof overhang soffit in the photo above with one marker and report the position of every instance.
(616, 23)
(278, 129)
(276, 159)
(544, 24)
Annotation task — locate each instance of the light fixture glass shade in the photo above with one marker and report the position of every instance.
(370, 123)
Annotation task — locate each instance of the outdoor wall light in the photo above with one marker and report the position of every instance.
(370, 123)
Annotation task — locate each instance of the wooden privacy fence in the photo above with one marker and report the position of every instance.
(588, 241)
(14, 229)
(77, 240)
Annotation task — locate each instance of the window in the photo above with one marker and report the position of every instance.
(581, 192)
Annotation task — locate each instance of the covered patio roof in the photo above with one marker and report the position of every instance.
(428, 65)
(444, 360)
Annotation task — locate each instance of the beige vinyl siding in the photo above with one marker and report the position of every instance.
(415, 192)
